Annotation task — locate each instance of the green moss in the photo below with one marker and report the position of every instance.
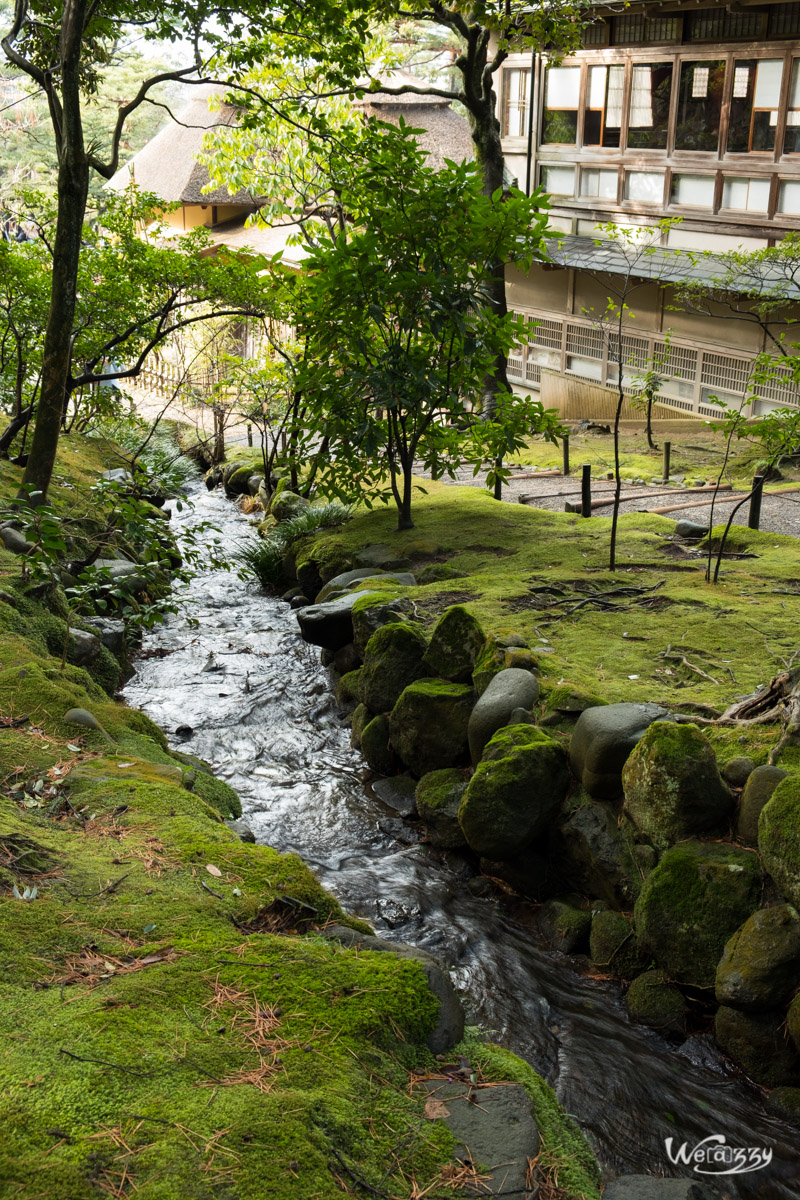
(456, 641)
(438, 797)
(375, 745)
(566, 699)
(779, 837)
(565, 1155)
(653, 1000)
(392, 660)
(692, 902)
(348, 689)
(612, 945)
(516, 789)
(429, 724)
(219, 794)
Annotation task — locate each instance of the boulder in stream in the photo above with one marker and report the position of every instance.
(672, 786)
(597, 855)
(375, 745)
(760, 965)
(329, 625)
(373, 610)
(760, 1044)
(438, 797)
(392, 660)
(566, 927)
(429, 724)
(691, 904)
(612, 945)
(515, 791)
(653, 1000)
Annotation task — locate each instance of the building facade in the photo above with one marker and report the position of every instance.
(669, 110)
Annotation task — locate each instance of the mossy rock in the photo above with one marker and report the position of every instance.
(565, 927)
(238, 480)
(361, 718)
(285, 505)
(529, 873)
(374, 610)
(691, 904)
(348, 689)
(612, 945)
(570, 701)
(375, 745)
(515, 791)
(793, 1021)
(455, 643)
(437, 573)
(438, 797)
(500, 651)
(757, 791)
(597, 855)
(760, 965)
(779, 838)
(784, 1103)
(219, 794)
(429, 724)
(672, 786)
(392, 660)
(760, 1045)
(653, 1000)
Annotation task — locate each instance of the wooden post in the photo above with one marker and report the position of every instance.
(665, 461)
(586, 490)
(498, 486)
(754, 515)
(565, 451)
(249, 434)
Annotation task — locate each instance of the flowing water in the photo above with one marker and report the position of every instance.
(259, 706)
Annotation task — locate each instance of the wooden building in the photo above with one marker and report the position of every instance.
(670, 109)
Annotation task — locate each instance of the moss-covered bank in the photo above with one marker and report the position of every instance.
(173, 1024)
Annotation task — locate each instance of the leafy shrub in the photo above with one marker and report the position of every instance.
(263, 557)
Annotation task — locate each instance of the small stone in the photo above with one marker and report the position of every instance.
(375, 745)
(398, 792)
(691, 531)
(81, 716)
(242, 830)
(83, 647)
(15, 541)
(737, 771)
(508, 690)
(566, 928)
(652, 1000)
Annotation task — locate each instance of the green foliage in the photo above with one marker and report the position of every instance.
(263, 557)
(398, 331)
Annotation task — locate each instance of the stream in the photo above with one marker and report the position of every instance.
(232, 672)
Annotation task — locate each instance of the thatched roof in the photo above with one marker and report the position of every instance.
(446, 134)
(168, 164)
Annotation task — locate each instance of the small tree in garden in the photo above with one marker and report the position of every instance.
(758, 288)
(397, 333)
(647, 385)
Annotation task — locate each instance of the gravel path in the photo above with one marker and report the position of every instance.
(779, 513)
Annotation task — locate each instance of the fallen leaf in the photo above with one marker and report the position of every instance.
(435, 1109)
(74, 749)
(121, 765)
(212, 870)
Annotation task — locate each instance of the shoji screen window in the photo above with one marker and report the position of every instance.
(558, 180)
(595, 182)
(602, 123)
(746, 195)
(648, 119)
(562, 98)
(755, 99)
(791, 139)
(699, 105)
(516, 102)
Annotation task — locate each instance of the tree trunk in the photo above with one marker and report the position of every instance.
(12, 429)
(480, 101)
(73, 188)
(404, 506)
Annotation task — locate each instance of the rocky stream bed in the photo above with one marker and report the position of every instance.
(230, 679)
